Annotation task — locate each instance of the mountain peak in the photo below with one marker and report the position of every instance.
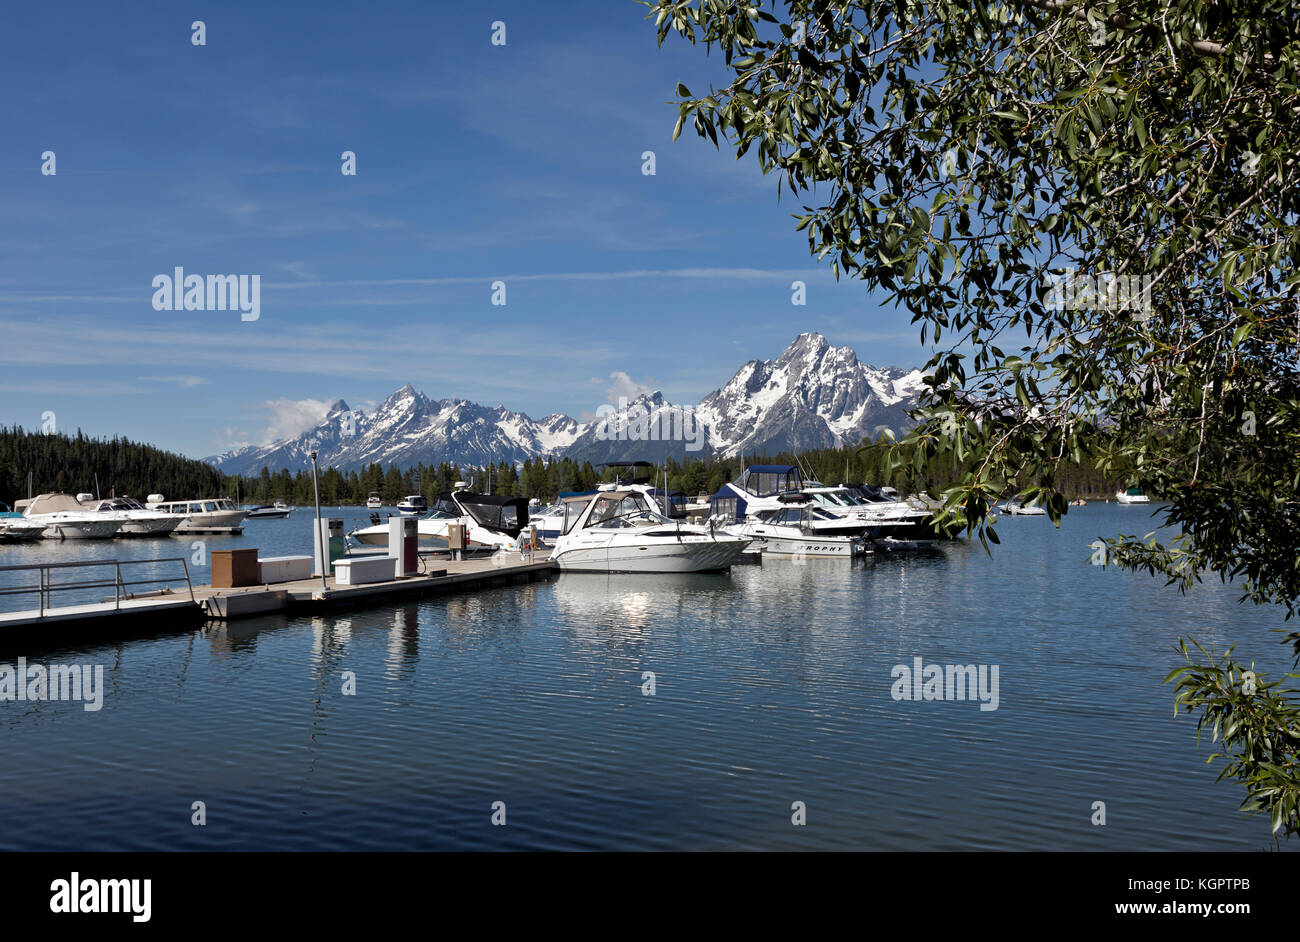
(812, 395)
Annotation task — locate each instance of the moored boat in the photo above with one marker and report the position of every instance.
(412, 505)
(216, 513)
(277, 511)
(788, 531)
(622, 531)
(65, 519)
(1132, 495)
(137, 520)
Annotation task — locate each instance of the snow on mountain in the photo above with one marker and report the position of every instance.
(812, 396)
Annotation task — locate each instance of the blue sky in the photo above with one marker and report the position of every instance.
(475, 163)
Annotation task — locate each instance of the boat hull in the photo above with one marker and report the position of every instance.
(159, 526)
(81, 529)
(698, 555)
(215, 520)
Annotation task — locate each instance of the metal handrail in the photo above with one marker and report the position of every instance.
(45, 587)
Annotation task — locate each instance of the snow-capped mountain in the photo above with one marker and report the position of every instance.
(812, 396)
(408, 428)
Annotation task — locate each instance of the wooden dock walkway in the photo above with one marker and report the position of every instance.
(173, 610)
(308, 594)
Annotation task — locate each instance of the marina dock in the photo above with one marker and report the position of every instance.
(185, 607)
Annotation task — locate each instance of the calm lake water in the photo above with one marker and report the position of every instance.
(773, 686)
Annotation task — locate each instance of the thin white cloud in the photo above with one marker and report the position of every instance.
(289, 418)
(185, 382)
(624, 386)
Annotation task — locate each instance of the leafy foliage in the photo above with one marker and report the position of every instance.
(1090, 208)
(972, 159)
(1258, 726)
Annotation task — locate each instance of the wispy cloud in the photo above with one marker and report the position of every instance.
(185, 382)
(289, 418)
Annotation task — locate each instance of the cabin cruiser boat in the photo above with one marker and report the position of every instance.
(206, 514)
(621, 530)
(412, 506)
(491, 523)
(1133, 495)
(373, 502)
(772, 487)
(277, 511)
(137, 520)
(15, 528)
(884, 515)
(65, 519)
(549, 520)
(788, 531)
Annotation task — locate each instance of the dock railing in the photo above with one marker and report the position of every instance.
(46, 585)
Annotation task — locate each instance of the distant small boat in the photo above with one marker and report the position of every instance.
(373, 502)
(412, 505)
(1133, 495)
(275, 511)
(1078, 502)
(1017, 509)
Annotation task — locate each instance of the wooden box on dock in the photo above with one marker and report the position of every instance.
(234, 568)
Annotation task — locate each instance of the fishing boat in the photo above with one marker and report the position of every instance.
(1133, 495)
(63, 518)
(621, 530)
(277, 511)
(137, 520)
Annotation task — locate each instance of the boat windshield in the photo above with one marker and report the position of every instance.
(624, 510)
(573, 509)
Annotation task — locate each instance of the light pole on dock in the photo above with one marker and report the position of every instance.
(320, 537)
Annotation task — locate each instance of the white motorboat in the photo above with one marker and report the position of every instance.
(65, 519)
(845, 511)
(491, 523)
(1133, 495)
(548, 520)
(137, 520)
(373, 502)
(277, 511)
(412, 505)
(881, 514)
(788, 531)
(1016, 509)
(622, 531)
(15, 528)
(206, 514)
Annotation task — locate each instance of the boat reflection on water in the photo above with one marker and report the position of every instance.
(595, 606)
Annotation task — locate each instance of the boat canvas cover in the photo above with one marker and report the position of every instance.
(767, 480)
(507, 515)
(727, 503)
(50, 504)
